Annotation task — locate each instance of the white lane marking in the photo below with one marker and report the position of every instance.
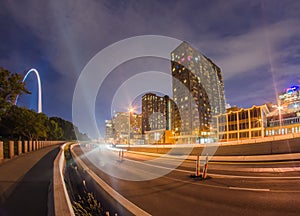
(254, 177)
(249, 189)
(246, 169)
(217, 175)
(222, 176)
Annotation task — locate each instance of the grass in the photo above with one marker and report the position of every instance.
(84, 202)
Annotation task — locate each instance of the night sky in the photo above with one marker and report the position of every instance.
(255, 43)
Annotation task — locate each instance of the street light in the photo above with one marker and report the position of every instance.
(279, 108)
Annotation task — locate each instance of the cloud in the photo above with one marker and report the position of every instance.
(254, 49)
(239, 36)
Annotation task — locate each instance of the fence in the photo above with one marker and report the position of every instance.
(11, 149)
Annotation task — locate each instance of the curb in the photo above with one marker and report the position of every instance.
(62, 203)
(131, 207)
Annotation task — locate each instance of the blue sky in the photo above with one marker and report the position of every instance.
(256, 43)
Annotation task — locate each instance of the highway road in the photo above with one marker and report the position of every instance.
(245, 168)
(176, 193)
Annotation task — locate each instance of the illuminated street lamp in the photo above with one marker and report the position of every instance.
(279, 108)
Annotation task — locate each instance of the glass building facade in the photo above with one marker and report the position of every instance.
(198, 92)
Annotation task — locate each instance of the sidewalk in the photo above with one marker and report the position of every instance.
(24, 177)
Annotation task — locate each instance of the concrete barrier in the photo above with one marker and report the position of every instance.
(286, 146)
(62, 203)
(11, 149)
(119, 199)
(19, 147)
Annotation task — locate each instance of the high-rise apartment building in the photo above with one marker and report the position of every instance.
(135, 124)
(156, 112)
(124, 126)
(198, 92)
(158, 118)
(109, 130)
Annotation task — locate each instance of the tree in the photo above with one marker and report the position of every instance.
(20, 123)
(55, 132)
(11, 85)
(69, 130)
(67, 127)
(40, 127)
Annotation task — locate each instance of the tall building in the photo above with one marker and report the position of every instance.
(121, 126)
(198, 91)
(109, 130)
(156, 112)
(135, 124)
(290, 98)
(158, 118)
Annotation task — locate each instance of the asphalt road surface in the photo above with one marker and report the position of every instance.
(176, 193)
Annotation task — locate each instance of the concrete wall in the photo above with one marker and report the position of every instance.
(264, 148)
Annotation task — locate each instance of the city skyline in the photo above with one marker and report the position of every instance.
(256, 46)
(127, 107)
